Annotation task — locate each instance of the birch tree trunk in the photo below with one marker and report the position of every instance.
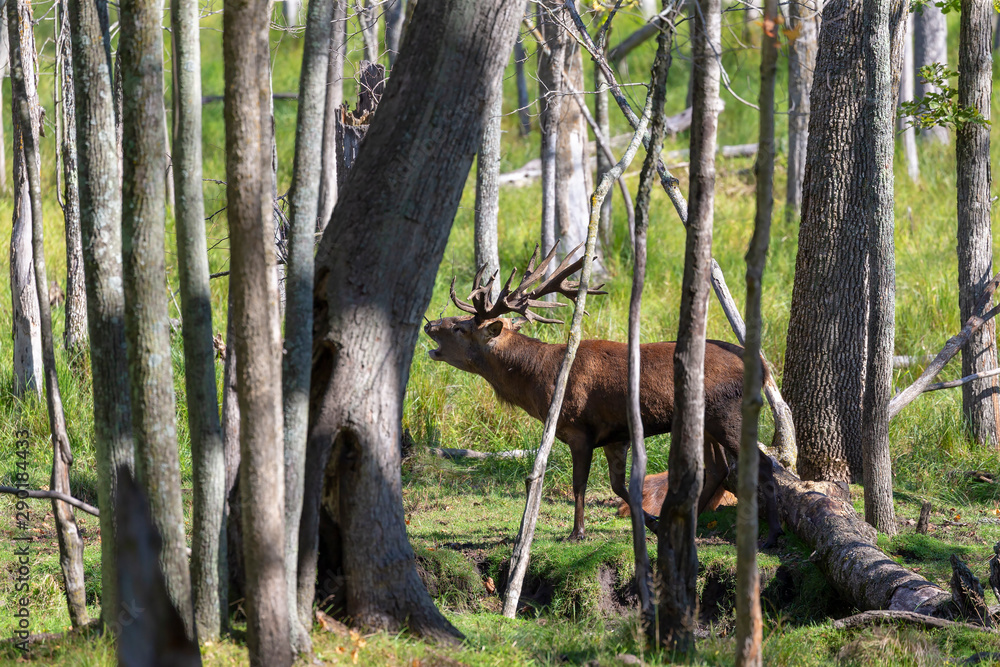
(255, 311)
(75, 330)
(980, 399)
(208, 464)
(677, 556)
(909, 134)
(296, 369)
(930, 45)
(488, 189)
(805, 17)
(879, 120)
(523, 113)
(395, 19)
(143, 236)
(749, 624)
(27, 113)
(368, 26)
(334, 98)
(550, 87)
(100, 223)
(356, 404)
(826, 359)
(603, 118)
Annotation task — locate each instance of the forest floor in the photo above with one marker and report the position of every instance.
(463, 515)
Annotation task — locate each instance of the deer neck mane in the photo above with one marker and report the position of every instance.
(522, 372)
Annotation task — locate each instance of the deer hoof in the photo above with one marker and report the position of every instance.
(575, 536)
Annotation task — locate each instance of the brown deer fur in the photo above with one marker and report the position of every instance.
(523, 371)
(654, 491)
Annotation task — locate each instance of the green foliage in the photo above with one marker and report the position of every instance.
(947, 6)
(939, 107)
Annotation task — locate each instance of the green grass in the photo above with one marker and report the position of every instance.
(463, 515)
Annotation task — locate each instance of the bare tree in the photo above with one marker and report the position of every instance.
(909, 134)
(550, 86)
(296, 368)
(804, 16)
(749, 624)
(356, 404)
(523, 114)
(208, 464)
(980, 399)
(365, 11)
(826, 360)
(677, 556)
(930, 45)
(255, 310)
(488, 188)
(100, 222)
(27, 112)
(75, 330)
(334, 98)
(143, 236)
(395, 20)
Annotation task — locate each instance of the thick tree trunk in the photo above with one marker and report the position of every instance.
(249, 166)
(334, 98)
(804, 16)
(75, 330)
(551, 59)
(930, 45)
(879, 123)
(356, 403)
(208, 464)
(909, 134)
(4, 66)
(143, 236)
(27, 114)
(980, 399)
(100, 222)
(826, 357)
(677, 556)
(749, 624)
(488, 189)
(296, 369)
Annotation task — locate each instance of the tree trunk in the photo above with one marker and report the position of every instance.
(523, 114)
(4, 66)
(255, 310)
(231, 550)
(356, 403)
(368, 26)
(146, 315)
(303, 200)
(826, 357)
(805, 17)
(75, 330)
(909, 134)
(291, 10)
(749, 624)
(677, 556)
(878, 119)
(395, 18)
(551, 60)
(208, 464)
(334, 98)
(603, 119)
(980, 399)
(930, 45)
(100, 222)
(488, 189)
(26, 111)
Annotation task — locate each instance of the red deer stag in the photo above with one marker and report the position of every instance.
(523, 371)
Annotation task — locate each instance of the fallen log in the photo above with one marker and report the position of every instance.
(449, 453)
(882, 616)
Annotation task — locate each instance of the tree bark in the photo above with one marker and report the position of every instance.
(909, 134)
(249, 142)
(551, 60)
(208, 463)
(980, 399)
(805, 17)
(603, 119)
(488, 189)
(231, 550)
(368, 26)
(4, 67)
(100, 222)
(356, 403)
(75, 329)
(826, 358)
(291, 10)
(395, 18)
(303, 200)
(146, 315)
(930, 45)
(879, 123)
(27, 113)
(677, 556)
(334, 98)
(523, 114)
(749, 624)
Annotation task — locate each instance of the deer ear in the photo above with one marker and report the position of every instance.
(494, 328)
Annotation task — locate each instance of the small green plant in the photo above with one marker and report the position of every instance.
(940, 106)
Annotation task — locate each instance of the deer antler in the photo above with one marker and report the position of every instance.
(522, 299)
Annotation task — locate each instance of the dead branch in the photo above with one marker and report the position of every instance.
(449, 453)
(884, 616)
(39, 493)
(950, 384)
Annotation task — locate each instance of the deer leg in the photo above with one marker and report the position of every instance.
(617, 453)
(716, 471)
(583, 455)
(765, 480)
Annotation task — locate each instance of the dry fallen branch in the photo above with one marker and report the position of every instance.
(883, 616)
(39, 493)
(449, 453)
